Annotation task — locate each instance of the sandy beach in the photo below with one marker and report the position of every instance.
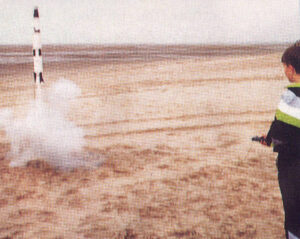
(173, 125)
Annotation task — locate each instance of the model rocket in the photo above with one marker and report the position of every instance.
(37, 49)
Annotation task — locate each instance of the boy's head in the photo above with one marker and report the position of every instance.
(291, 61)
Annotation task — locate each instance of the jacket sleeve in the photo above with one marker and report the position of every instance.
(283, 136)
(271, 131)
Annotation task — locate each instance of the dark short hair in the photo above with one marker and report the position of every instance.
(291, 56)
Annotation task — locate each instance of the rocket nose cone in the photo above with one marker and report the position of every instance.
(36, 12)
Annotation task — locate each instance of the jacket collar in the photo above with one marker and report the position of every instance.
(294, 85)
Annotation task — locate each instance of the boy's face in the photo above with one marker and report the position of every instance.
(289, 71)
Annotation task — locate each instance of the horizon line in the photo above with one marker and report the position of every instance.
(154, 44)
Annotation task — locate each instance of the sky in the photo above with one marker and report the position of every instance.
(151, 21)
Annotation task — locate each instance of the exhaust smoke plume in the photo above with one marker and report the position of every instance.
(45, 133)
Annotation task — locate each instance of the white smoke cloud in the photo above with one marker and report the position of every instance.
(46, 133)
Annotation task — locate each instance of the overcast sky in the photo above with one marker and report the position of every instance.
(151, 21)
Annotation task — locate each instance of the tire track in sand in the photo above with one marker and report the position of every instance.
(207, 122)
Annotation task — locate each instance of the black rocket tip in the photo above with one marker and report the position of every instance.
(36, 12)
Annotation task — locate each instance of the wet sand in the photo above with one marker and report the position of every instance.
(174, 124)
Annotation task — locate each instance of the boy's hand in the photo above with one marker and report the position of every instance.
(263, 140)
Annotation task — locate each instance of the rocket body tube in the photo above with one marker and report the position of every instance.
(37, 49)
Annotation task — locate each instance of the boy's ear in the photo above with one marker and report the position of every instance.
(291, 69)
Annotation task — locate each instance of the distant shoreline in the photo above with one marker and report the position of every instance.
(80, 45)
(179, 49)
(16, 57)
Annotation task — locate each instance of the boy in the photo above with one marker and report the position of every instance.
(284, 136)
